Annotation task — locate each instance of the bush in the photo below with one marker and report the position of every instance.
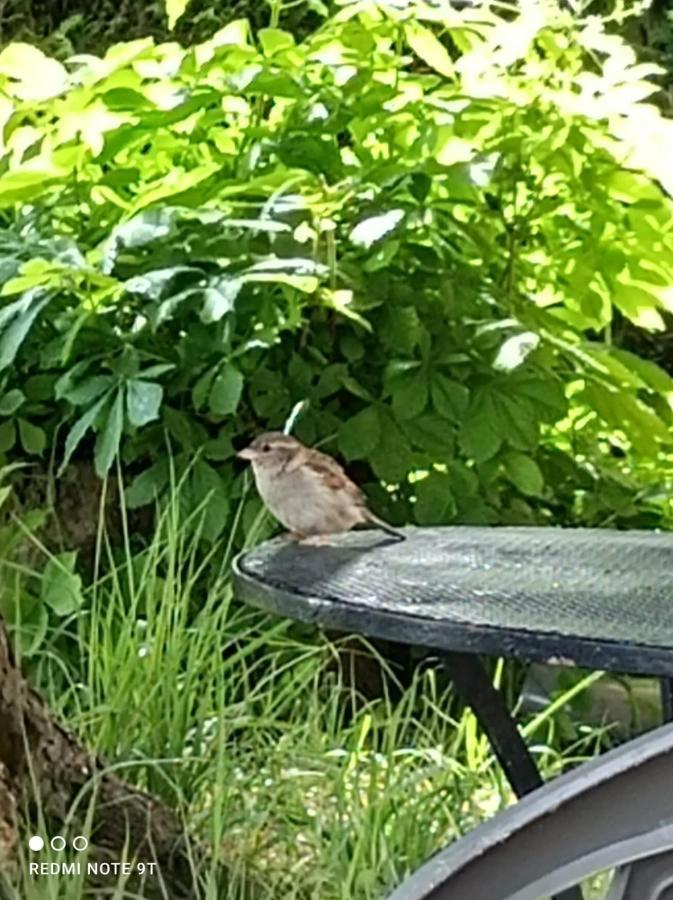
(430, 226)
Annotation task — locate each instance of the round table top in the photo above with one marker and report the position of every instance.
(587, 597)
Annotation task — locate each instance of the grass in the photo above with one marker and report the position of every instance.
(244, 724)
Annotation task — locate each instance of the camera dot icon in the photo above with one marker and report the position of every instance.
(36, 843)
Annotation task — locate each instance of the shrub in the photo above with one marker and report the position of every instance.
(429, 225)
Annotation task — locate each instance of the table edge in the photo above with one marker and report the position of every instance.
(551, 648)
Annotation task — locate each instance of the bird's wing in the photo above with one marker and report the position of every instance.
(334, 476)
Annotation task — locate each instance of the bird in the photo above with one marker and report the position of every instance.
(306, 490)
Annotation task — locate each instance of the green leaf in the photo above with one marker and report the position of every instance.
(61, 585)
(174, 9)
(524, 473)
(426, 46)
(382, 256)
(159, 283)
(11, 401)
(86, 390)
(25, 186)
(401, 329)
(435, 504)
(201, 390)
(450, 150)
(410, 395)
(209, 492)
(186, 431)
(370, 230)
(156, 370)
(342, 302)
(274, 40)
(147, 486)
(225, 393)
(143, 401)
(639, 305)
(392, 459)
(514, 418)
(515, 350)
(450, 398)
(33, 439)
(432, 434)
(359, 435)
(7, 435)
(109, 437)
(78, 430)
(652, 374)
(35, 77)
(218, 299)
(142, 229)
(546, 394)
(30, 627)
(220, 448)
(627, 413)
(307, 284)
(479, 438)
(40, 388)
(16, 321)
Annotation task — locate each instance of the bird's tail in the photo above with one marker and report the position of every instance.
(384, 526)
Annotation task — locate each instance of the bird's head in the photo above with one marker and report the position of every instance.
(272, 450)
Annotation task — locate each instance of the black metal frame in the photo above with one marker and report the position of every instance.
(614, 812)
(473, 684)
(666, 693)
(475, 687)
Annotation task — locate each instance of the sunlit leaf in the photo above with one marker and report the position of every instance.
(33, 75)
(219, 298)
(342, 301)
(515, 350)
(175, 9)
(429, 48)
(370, 230)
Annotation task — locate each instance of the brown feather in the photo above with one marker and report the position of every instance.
(334, 475)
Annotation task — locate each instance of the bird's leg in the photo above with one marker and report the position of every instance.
(294, 536)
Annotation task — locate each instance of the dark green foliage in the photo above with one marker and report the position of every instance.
(425, 231)
(78, 26)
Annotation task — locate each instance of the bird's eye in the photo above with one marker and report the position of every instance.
(266, 448)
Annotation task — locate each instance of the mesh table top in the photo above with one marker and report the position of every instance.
(588, 597)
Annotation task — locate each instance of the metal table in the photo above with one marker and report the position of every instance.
(586, 597)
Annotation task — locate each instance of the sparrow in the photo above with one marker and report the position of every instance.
(306, 490)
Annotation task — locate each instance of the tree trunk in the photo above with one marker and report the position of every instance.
(43, 766)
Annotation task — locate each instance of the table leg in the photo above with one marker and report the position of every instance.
(476, 689)
(488, 705)
(666, 692)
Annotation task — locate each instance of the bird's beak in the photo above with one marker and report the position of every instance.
(247, 453)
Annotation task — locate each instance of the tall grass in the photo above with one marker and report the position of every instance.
(243, 723)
